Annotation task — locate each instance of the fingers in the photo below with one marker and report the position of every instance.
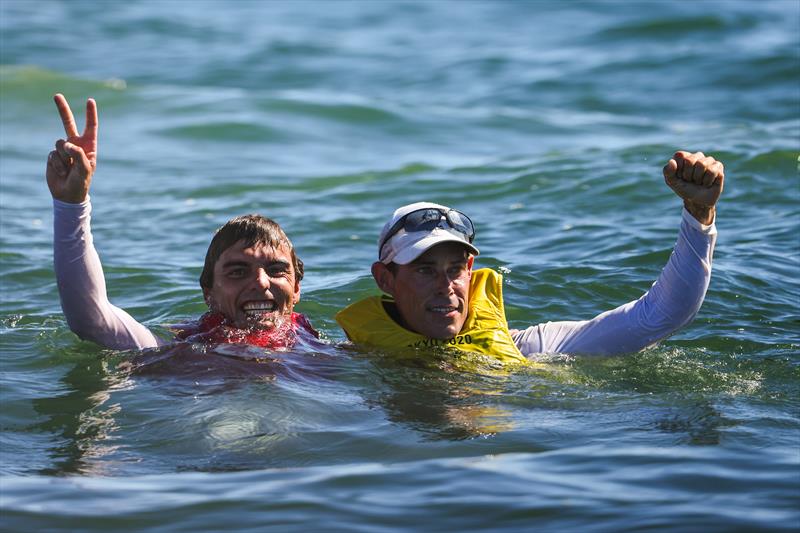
(670, 169)
(87, 141)
(67, 154)
(90, 131)
(714, 174)
(66, 115)
(677, 185)
(62, 153)
(82, 162)
(55, 162)
(696, 168)
(689, 167)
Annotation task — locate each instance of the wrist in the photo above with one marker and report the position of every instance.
(704, 214)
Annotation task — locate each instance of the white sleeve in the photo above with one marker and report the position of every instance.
(671, 303)
(82, 286)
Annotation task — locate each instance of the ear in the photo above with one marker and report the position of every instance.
(296, 295)
(469, 263)
(383, 277)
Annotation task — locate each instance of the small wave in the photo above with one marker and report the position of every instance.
(777, 163)
(346, 112)
(668, 28)
(225, 132)
(31, 83)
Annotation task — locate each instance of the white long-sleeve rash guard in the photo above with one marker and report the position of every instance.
(671, 302)
(82, 286)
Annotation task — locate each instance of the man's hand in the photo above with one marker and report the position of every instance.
(71, 165)
(698, 179)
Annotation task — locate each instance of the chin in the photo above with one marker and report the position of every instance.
(443, 334)
(268, 320)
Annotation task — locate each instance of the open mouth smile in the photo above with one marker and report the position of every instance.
(255, 309)
(443, 309)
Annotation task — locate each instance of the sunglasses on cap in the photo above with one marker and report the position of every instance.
(427, 219)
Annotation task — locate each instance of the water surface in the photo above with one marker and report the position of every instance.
(547, 122)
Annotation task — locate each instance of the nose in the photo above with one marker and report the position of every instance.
(444, 283)
(262, 279)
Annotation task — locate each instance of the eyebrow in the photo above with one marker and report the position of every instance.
(235, 263)
(231, 264)
(427, 263)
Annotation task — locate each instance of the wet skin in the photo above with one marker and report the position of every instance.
(432, 292)
(254, 286)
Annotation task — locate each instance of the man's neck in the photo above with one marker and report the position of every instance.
(391, 309)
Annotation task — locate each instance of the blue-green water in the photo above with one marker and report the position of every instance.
(547, 122)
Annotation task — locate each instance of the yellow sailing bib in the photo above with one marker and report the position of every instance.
(485, 330)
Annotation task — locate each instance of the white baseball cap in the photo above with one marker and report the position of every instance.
(403, 247)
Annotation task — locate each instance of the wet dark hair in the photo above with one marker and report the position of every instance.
(252, 229)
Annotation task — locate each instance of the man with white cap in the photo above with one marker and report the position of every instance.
(435, 298)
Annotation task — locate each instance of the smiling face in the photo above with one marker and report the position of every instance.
(255, 285)
(432, 292)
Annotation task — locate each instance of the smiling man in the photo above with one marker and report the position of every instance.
(250, 280)
(434, 298)
(251, 283)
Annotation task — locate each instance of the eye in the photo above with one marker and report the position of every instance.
(424, 270)
(236, 273)
(278, 270)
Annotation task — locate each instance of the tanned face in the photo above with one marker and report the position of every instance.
(432, 292)
(254, 286)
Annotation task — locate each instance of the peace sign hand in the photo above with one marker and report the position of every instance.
(71, 165)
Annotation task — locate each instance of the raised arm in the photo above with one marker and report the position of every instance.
(81, 283)
(675, 297)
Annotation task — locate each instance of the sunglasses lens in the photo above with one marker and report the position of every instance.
(460, 222)
(423, 220)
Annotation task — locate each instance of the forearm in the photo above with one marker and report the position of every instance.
(672, 302)
(82, 287)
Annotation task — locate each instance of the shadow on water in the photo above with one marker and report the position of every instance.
(442, 396)
(696, 423)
